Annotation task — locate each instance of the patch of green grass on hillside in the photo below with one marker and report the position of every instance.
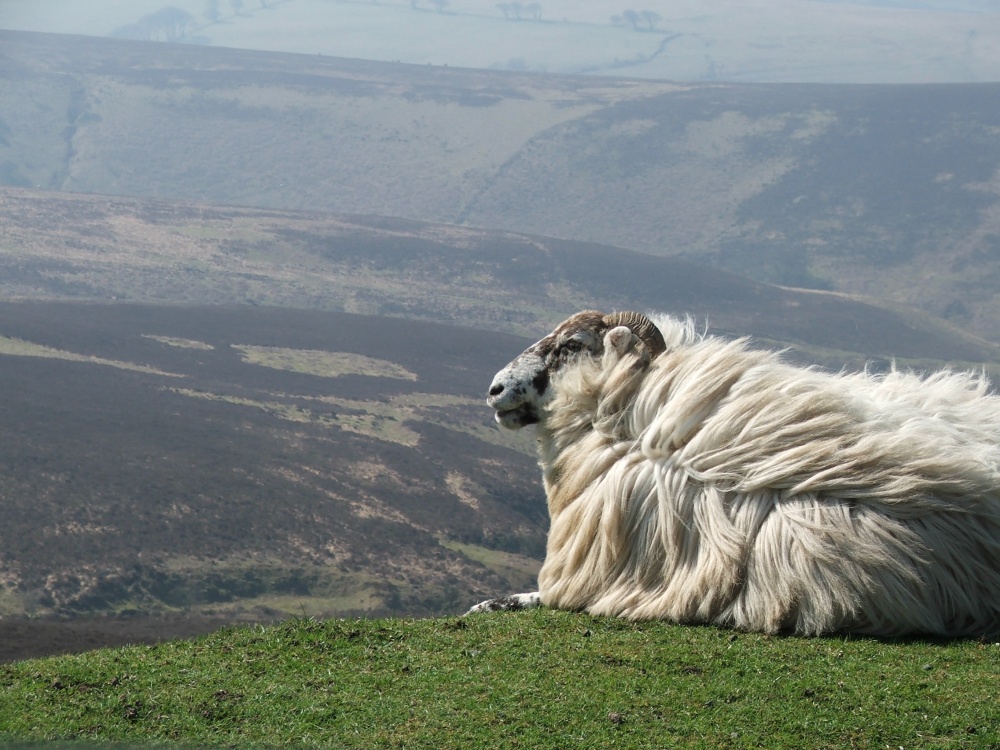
(512, 566)
(11, 602)
(362, 417)
(180, 343)
(19, 348)
(321, 363)
(539, 679)
(384, 420)
(275, 588)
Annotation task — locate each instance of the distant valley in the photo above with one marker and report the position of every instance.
(885, 191)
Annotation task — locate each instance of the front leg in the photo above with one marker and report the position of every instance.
(512, 603)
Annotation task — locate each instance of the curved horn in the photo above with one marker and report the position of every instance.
(642, 327)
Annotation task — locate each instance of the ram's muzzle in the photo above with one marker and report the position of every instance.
(518, 390)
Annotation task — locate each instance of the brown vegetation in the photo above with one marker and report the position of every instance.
(886, 191)
(88, 247)
(122, 492)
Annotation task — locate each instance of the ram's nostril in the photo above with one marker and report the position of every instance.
(497, 389)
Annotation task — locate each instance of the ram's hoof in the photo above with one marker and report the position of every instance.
(513, 603)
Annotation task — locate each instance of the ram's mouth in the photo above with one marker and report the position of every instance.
(519, 416)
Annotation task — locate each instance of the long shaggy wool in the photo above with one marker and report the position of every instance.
(715, 483)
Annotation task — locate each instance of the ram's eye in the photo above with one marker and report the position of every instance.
(573, 345)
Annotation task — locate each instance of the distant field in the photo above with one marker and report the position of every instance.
(323, 364)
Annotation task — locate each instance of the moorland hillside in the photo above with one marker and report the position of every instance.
(99, 248)
(886, 191)
(178, 458)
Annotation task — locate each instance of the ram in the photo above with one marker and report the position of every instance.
(694, 479)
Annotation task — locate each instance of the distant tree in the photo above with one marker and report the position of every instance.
(440, 4)
(535, 9)
(651, 17)
(169, 24)
(517, 8)
(237, 6)
(413, 4)
(212, 12)
(617, 20)
(505, 9)
(629, 15)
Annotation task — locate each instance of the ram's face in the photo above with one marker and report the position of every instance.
(521, 389)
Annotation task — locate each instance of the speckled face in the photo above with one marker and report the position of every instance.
(520, 391)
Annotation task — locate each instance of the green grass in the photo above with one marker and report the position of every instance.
(321, 363)
(180, 343)
(538, 679)
(19, 348)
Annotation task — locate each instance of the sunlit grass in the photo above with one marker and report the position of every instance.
(21, 348)
(322, 363)
(539, 679)
(374, 419)
(180, 343)
(382, 419)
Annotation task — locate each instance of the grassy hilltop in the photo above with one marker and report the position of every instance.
(537, 680)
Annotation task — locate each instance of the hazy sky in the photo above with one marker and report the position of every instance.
(742, 40)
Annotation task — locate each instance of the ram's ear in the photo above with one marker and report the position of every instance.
(642, 327)
(619, 340)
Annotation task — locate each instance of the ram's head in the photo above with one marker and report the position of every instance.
(521, 389)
